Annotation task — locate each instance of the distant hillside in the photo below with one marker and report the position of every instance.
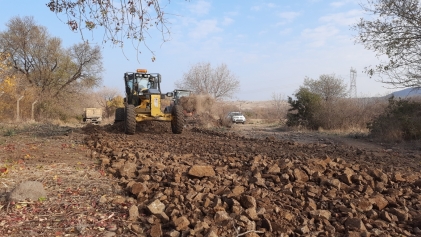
(405, 93)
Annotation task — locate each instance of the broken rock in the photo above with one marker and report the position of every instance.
(28, 190)
(201, 171)
(156, 207)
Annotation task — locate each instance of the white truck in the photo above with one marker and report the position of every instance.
(92, 115)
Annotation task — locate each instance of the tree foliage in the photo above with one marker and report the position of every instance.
(218, 82)
(329, 87)
(315, 100)
(44, 64)
(119, 20)
(304, 108)
(400, 121)
(7, 86)
(392, 28)
(42, 71)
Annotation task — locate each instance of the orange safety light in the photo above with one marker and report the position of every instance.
(142, 70)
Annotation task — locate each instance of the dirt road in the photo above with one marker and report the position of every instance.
(250, 181)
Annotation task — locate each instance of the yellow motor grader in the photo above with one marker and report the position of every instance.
(143, 102)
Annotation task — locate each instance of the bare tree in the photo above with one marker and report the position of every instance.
(119, 20)
(393, 29)
(83, 67)
(279, 104)
(219, 82)
(329, 87)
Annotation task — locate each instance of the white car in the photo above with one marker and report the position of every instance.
(236, 117)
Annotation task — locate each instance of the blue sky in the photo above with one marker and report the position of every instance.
(270, 45)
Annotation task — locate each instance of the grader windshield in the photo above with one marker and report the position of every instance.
(136, 83)
(181, 93)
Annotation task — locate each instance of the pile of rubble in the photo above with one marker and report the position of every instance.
(197, 104)
(210, 184)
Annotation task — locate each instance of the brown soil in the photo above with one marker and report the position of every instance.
(90, 175)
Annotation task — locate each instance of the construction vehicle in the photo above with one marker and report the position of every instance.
(92, 115)
(188, 104)
(143, 102)
(178, 94)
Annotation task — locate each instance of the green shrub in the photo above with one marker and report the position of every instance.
(303, 109)
(10, 132)
(400, 121)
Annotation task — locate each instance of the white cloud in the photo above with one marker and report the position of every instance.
(271, 5)
(287, 17)
(204, 28)
(263, 32)
(319, 35)
(227, 21)
(262, 6)
(286, 31)
(200, 7)
(343, 3)
(338, 4)
(343, 18)
(232, 13)
(210, 45)
(256, 8)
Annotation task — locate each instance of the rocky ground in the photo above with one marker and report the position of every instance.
(208, 182)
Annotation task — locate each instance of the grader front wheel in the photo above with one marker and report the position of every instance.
(177, 122)
(130, 120)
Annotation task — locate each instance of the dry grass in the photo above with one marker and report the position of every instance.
(349, 114)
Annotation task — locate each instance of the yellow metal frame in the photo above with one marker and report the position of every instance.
(146, 117)
(152, 112)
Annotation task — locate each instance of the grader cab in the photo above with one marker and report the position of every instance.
(143, 102)
(177, 95)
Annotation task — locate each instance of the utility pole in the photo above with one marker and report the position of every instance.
(353, 83)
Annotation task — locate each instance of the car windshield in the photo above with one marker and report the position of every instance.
(236, 114)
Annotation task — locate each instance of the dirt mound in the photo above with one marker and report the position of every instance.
(199, 110)
(146, 126)
(90, 128)
(197, 103)
(208, 183)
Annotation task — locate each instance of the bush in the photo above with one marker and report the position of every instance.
(304, 109)
(400, 121)
(347, 114)
(309, 110)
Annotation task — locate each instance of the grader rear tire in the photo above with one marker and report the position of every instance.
(130, 119)
(119, 115)
(177, 122)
